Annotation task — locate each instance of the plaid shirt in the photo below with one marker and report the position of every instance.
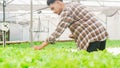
(83, 25)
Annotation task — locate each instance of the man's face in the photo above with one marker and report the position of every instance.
(56, 7)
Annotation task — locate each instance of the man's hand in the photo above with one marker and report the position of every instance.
(38, 47)
(71, 36)
(42, 46)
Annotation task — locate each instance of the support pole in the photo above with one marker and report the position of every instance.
(39, 25)
(4, 33)
(31, 23)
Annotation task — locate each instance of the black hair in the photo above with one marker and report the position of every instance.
(52, 1)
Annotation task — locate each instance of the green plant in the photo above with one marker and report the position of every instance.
(58, 55)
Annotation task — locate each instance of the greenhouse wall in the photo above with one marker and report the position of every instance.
(45, 23)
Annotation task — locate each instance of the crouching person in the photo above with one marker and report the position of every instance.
(88, 31)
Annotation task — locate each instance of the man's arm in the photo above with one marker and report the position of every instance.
(42, 46)
(66, 20)
(59, 30)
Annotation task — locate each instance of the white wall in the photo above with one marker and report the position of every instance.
(19, 32)
(113, 27)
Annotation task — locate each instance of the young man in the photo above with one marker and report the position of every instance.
(86, 29)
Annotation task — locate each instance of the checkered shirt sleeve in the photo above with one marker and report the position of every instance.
(65, 20)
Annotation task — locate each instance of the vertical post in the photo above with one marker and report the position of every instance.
(39, 25)
(4, 33)
(31, 23)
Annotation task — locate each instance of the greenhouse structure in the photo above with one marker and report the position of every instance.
(25, 23)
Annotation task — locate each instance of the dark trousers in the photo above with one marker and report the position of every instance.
(98, 45)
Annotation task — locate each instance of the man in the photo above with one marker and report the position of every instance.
(86, 29)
